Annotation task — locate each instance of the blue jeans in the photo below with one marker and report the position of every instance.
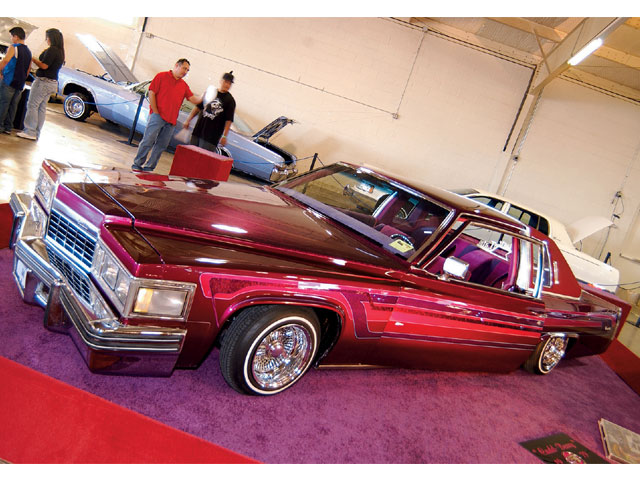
(9, 97)
(41, 90)
(156, 139)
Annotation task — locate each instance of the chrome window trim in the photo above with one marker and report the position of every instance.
(537, 294)
(430, 245)
(419, 194)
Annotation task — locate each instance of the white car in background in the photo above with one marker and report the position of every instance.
(585, 267)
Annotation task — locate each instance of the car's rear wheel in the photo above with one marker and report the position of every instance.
(76, 108)
(269, 348)
(547, 354)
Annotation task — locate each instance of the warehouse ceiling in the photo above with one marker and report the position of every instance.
(614, 67)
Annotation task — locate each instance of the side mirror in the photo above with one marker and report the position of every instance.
(454, 267)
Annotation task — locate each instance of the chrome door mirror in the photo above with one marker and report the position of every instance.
(454, 267)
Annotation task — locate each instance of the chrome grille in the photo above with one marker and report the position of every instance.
(70, 238)
(77, 280)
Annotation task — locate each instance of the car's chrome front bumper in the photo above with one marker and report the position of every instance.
(282, 172)
(107, 344)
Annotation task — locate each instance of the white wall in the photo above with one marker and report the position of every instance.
(344, 80)
(120, 38)
(582, 148)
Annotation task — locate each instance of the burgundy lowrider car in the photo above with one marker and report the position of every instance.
(340, 266)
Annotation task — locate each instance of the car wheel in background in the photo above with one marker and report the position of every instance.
(268, 348)
(547, 354)
(76, 108)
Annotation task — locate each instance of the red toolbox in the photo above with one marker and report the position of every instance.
(195, 162)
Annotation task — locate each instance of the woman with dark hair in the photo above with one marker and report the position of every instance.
(45, 85)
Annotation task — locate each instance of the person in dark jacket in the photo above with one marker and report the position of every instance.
(14, 70)
(45, 85)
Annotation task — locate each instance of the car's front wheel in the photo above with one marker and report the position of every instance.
(269, 348)
(547, 354)
(76, 108)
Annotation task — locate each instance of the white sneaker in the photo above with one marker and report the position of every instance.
(27, 136)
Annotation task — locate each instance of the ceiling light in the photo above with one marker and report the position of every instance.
(585, 52)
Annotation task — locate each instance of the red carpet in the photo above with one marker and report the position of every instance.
(6, 222)
(625, 363)
(43, 420)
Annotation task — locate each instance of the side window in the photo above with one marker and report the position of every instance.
(528, 218)
(490, 202)
(495, 259)
(543, 226)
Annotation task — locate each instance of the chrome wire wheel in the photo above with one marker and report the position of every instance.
(75, 107)
(268, 348)
(552, 352)
(282, 356)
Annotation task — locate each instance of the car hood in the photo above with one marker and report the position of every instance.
(273, 128)
(251, 217)
(110, 61)
(7, 23)
(587, 226)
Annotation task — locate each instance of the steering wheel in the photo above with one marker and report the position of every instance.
(402, 214)
(402, 237)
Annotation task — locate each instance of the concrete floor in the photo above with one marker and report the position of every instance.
(96, 141)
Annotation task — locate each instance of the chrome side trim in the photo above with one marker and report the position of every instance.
(351, 367)
(558, 295)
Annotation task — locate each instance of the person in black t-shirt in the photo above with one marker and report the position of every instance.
(215, 117)
(45, 84)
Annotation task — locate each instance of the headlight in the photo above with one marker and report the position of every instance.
(109, 271)
(111, 275)
(45, 189)
(122, 286)
(136, 297)
(160, 302)
(99, 308)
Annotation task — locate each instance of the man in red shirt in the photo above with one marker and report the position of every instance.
(166, 94)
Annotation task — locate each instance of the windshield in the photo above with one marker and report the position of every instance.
(240, 126)
(393, 215)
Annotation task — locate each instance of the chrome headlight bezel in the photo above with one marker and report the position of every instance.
(183, 291)
(36, 224)
(123, 289)
(45, 189)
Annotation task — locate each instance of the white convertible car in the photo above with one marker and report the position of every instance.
(584, 267)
